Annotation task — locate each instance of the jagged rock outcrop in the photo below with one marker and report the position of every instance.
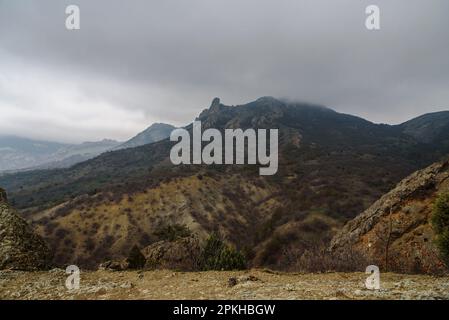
(395, 232)
(20, 247)
(181, 254)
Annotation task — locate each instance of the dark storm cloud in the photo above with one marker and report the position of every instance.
(136, 62)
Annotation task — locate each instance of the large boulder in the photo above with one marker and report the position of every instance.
(20, 247)
(135, 260)
(395, 232)
(181, 254)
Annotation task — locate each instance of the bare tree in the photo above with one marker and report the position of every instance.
(384, 234)
(388, 242)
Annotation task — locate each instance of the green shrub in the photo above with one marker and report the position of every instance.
(136, 260)
(440, 223)
(216, 255)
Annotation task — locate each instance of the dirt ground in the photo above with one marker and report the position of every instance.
(250, 284)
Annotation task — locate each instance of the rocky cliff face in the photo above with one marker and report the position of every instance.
(20, 247)
(395, 232)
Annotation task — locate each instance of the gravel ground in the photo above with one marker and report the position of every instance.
(250, 284)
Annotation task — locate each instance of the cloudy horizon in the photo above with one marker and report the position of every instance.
(134, 64)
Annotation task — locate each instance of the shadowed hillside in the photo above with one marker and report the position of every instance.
(332, 166)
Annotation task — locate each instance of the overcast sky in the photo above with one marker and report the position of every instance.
(133, 62)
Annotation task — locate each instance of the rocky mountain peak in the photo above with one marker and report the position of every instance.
(269, 99)
(215, 103)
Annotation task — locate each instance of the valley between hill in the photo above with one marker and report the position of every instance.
(332, 167)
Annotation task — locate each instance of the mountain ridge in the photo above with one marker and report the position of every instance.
(154, 133)
(19, 153)
(332, 166)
